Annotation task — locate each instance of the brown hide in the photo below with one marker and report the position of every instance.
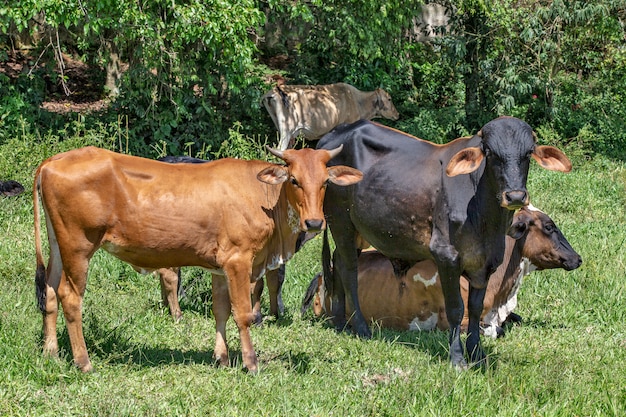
(235, 218)
(316, 110)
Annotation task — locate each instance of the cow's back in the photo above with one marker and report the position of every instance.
(393, 163)
(150, 213)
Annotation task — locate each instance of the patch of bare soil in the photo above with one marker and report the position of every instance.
(75, 89)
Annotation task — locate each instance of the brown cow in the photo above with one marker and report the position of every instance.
(315, 110)
(239, 219)
(415, 300)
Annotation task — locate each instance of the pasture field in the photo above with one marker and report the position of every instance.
(567, 358)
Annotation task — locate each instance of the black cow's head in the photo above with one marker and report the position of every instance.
(507, 145)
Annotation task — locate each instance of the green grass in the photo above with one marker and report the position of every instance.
(566, 359)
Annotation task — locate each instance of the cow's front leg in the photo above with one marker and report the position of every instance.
(221, 312)
(346, 266)
(238, 277)
(475, 309)
(454, 312)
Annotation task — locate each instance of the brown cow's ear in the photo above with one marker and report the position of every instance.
(344, 175)
(464, 162)
(519, 227)
(552, 158)
(273, 175)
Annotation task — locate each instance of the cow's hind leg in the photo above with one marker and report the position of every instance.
(221, 312)
(257, 293)
(275, 280)
(169, 278)
(475, 308)
(71, 292)
(47, 287)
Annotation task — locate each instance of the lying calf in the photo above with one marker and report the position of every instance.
(415, 301)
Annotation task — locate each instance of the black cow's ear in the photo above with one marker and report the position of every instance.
(465, 161)
(552, 158)
(273, 175)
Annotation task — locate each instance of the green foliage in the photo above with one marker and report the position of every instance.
(195, 68)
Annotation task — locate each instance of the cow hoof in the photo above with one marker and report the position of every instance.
(85, 368)
(362, 332)
(513, 318)
(257, 319)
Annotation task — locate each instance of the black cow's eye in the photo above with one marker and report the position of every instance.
(549, 227)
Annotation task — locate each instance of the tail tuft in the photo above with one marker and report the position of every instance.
(40, 287)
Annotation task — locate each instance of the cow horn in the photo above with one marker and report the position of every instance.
(275, 152)
(334, 152)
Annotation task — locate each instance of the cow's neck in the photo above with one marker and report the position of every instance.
(510, 271)
(287, 226)
(490, 222)
(365, 100)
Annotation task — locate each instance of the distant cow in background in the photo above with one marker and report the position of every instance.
(11, 188)
(415, 300)
(316, 110)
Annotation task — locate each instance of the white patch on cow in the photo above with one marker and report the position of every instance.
(278, 260)
(293, 219)
(421, 325)
(426, 282)
(498, 314)
(533, 208)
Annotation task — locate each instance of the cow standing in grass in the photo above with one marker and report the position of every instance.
(451, 203)
(235, 218)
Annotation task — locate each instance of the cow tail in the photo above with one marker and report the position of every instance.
(283, 96)
(327, 268)
(309, 296)
(40, 274)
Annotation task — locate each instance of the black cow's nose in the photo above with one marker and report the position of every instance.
(314, 224)
(515, 199)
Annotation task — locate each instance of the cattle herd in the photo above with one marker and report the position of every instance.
(426, 236)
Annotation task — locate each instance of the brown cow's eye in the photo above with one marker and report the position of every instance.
(294, 182)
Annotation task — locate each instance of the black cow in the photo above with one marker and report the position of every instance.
(10, 188)
(450, 203)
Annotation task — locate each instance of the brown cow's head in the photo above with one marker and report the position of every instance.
(384, 106)
(544, 244)
(306, 176)
(507, 145)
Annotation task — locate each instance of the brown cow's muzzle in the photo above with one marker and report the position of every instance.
(314, 225)
(514, 200)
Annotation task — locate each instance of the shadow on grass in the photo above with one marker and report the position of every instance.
(434, 343)
(113, 346)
